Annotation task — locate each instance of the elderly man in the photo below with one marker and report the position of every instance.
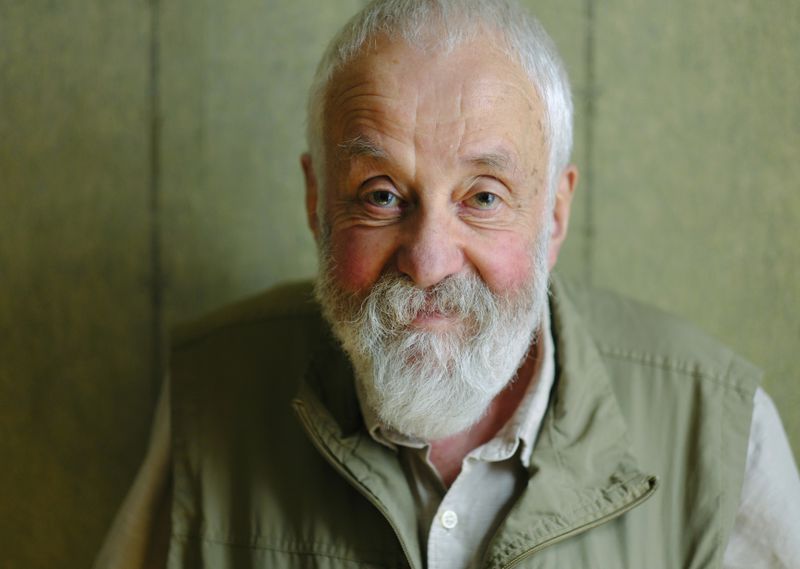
(435, 407)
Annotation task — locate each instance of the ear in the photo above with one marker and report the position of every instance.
(565, 189)
(312, 194)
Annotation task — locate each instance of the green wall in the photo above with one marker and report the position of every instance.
(149, 171)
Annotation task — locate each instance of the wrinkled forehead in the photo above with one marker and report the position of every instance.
(474, 89)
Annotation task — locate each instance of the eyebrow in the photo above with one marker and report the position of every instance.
(362, 146)
(498, 160)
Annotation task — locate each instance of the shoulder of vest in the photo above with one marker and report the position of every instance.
(273, 307)
(625, 328)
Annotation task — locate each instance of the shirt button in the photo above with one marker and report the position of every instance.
(449, 519)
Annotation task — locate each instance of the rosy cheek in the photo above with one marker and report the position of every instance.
(360, 258)
(506, 265)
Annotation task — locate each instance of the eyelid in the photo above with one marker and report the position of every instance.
(489, 184)
(376, 180)
(495, 182)
(378, 183)
(498, 201)
(375, 184)
(486, 184)
(372, 193)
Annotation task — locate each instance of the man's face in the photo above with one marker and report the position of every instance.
(435, 190)
(436, 166)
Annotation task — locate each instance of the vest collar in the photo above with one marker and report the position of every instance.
(582, 471)
(328, 408)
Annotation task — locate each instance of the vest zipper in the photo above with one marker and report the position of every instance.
(323, 449)
(585, 527)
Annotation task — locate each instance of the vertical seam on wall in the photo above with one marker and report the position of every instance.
(588, 142)
(156, 271)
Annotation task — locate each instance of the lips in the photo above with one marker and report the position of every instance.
(430, 317)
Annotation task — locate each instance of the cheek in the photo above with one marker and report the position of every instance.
(505, 265)
(359, 258)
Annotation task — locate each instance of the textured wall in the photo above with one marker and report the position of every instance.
(695, 171)
(233, 77)
(149, 171)
(76, 372)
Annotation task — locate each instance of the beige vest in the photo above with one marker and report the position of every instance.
(639, 462)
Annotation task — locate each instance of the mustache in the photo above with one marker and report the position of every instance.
(394, 302)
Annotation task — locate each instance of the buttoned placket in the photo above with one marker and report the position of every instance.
(491, 477)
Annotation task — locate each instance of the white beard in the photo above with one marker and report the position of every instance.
(431, 384)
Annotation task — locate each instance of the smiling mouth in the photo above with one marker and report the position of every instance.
(433, 320)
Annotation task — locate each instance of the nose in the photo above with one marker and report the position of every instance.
(430, 250)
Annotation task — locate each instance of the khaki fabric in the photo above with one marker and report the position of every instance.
(138, 537)
(639, 397)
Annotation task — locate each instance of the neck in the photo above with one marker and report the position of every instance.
(448, 454)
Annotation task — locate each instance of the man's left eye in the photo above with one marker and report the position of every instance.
(484, 200)
(382, 198)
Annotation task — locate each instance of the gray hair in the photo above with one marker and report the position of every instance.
(454, 22)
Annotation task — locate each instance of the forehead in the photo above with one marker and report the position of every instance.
(472, 95)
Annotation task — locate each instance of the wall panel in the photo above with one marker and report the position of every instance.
(233, 80)
(697, 206)
(568, 23)
(74, 273)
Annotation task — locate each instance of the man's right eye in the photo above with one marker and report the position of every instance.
(382, 198)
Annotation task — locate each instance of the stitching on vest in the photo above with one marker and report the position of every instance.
(291, 549)
(551, 526)
(684, 368)
(723, 484)
(718, 545)
(331, 437)
(695, 371)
